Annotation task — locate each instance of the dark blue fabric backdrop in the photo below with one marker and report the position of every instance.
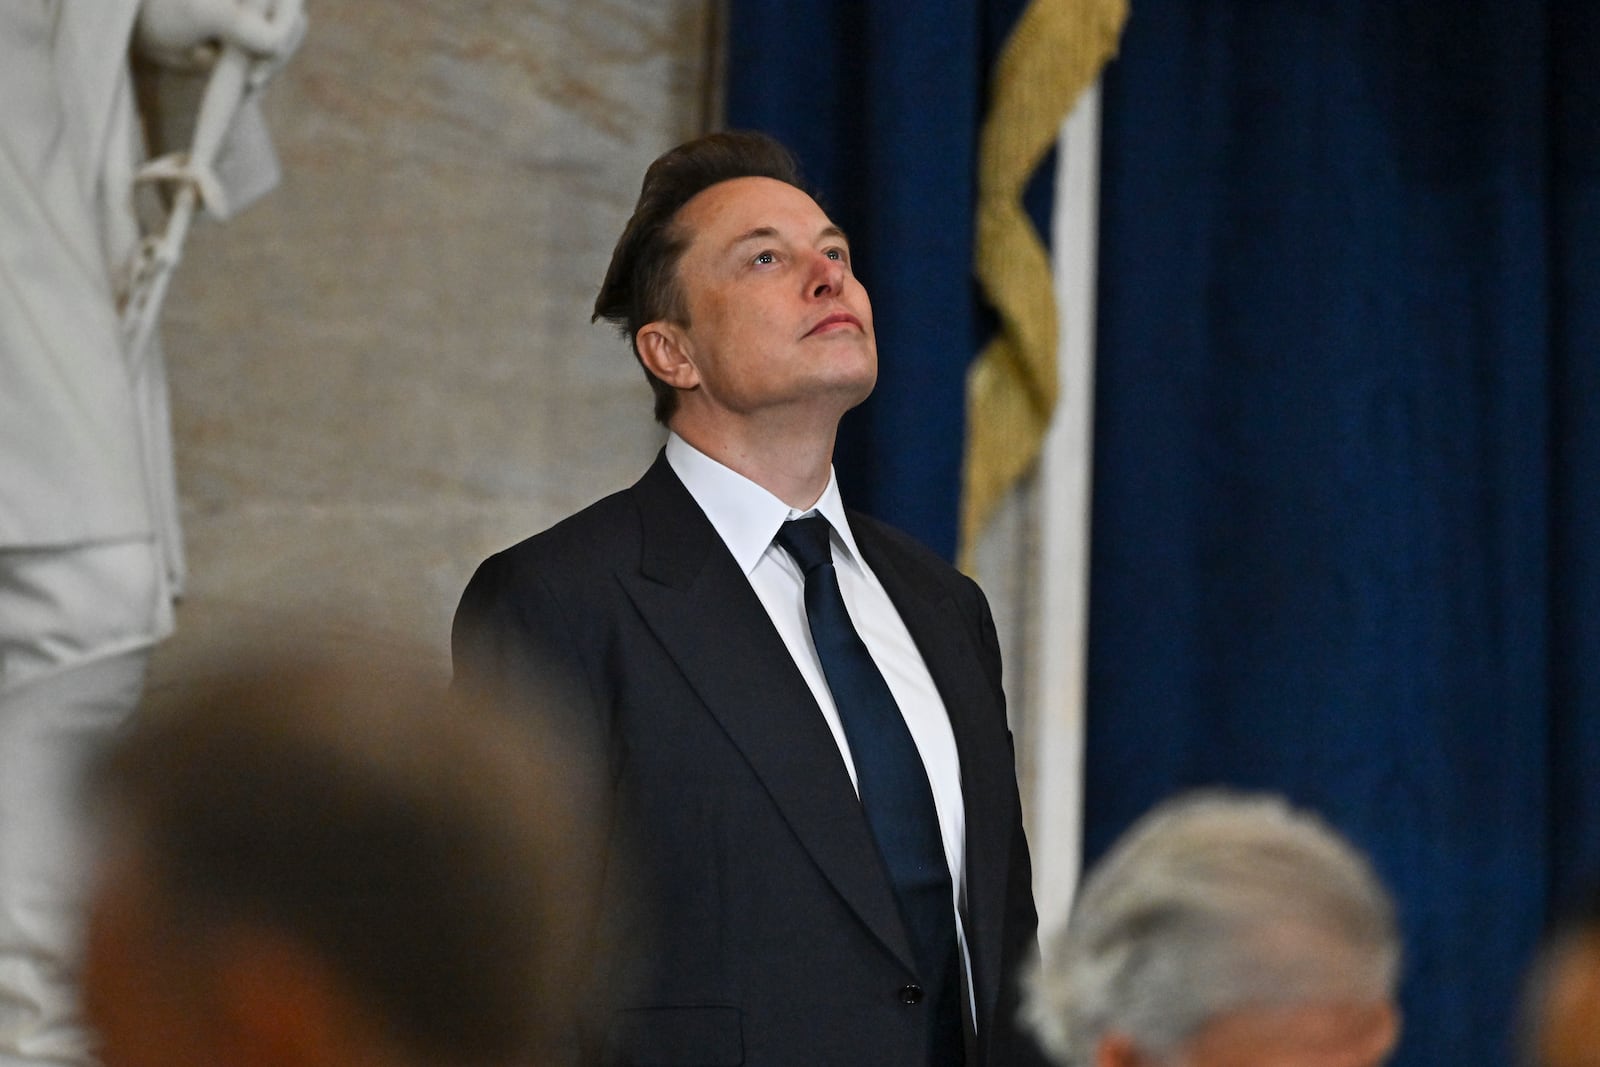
(881, 101)
(1345, 527)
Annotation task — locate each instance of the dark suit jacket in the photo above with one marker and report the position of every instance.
(776, 938)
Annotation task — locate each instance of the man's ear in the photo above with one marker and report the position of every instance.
(664, 350)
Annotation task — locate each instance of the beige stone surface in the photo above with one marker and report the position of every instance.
(385, 370)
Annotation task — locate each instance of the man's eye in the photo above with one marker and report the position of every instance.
(765, 258)
(835, 253)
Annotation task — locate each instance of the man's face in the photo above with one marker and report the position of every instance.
(1567, 1018)
(1332, 1034)
(140, 987)
(777, 321)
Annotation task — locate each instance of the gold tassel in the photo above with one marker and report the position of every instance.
(1055, 52)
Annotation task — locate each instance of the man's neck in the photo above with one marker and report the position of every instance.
(793, 466)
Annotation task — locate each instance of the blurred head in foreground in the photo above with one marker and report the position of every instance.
(328, 864)
(1562, 1010)
(1223, 931)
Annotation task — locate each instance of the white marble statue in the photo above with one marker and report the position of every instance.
(90, 558)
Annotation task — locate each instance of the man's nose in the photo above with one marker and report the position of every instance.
(827, 276)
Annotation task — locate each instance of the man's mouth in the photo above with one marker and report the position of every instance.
(833, 322)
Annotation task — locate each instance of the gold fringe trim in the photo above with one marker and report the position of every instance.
(1055, 52)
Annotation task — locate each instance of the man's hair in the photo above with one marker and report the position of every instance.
(1212, 901)
(641, 284)
(431, 854)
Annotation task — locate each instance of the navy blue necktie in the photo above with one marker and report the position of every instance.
(895, 794)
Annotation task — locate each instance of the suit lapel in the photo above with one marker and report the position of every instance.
(947, 648)
(701, 608)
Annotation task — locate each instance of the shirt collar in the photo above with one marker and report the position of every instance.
(745, 515)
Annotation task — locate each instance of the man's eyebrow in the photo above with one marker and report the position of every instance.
(757, 234)
(763, 232)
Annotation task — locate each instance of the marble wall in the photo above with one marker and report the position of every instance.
(385, 370)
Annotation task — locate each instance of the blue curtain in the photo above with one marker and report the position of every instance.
(882, 101)
(1345, 528)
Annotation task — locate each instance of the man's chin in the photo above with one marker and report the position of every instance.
(852, 390)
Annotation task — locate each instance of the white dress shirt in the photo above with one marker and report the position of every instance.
(747, 518)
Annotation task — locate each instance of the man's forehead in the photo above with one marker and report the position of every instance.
(737, 208)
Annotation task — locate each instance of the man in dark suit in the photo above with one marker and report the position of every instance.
(802, 720)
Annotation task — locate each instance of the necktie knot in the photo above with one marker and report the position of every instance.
(807, 541)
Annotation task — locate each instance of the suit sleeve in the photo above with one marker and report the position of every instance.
(1017, 1047)
(512, 645)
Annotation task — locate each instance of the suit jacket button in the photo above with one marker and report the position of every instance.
(911, 994)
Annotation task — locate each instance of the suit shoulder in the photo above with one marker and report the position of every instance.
(538, 601)
(863, 524)
(906, 549)
(600, 535)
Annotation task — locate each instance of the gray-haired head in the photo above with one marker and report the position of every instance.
(1213, 901)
